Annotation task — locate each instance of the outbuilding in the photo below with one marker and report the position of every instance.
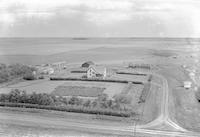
(187, 84)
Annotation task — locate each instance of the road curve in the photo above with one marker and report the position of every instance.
(164, 118)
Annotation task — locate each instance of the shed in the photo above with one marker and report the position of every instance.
(187, 84)
(87, 64)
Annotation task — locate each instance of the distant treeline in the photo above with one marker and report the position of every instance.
(9, 72)
(119, 106)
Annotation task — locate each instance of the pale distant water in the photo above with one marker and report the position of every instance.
(47, 46)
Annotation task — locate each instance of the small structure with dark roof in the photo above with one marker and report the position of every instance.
(87, 64)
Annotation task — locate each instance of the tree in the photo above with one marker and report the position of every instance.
(110, 103)
(123, 99)
(33, 99)
(2, 66)
(29, 76)
(87, 103)
(75, 101)
(102, 97)
(94, 103)
(14, 96)
(44, 99)
(23, 97)
(4, 98)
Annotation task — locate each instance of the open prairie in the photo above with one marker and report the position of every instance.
(97, 49)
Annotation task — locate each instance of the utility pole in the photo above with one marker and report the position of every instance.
(134, 132)
(135, 126)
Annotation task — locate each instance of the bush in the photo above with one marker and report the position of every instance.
(123, 99)
(29, 77)
(4, 75)
(70, 108)
(145, 92)
(41, 77)
(75, 101)
(7, 73)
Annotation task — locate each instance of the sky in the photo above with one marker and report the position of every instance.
(99, 18)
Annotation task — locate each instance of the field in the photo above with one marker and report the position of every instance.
(78, 91)
(130, 77)
(48, 86)
(125, 49)
(90, 87)
(38, 86)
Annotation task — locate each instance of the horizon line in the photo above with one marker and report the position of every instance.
(110, 37)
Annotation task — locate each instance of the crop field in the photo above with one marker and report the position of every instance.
(90, 89)
(70, 87)
(140, 78)
(78, 91)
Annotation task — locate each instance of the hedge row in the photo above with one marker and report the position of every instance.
(70, 108)
(145, 92)
(96, 80)
(129, 73)
(78, 71)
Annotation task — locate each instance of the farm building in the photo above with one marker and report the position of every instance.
(87, 64)
(95, 72)
(187, 84)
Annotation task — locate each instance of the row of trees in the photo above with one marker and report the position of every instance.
(9, 72)
(197, 94)
(120, 103)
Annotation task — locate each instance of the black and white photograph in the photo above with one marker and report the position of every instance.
(99, 68)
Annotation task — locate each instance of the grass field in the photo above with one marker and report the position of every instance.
(38, 86)
(130, 77)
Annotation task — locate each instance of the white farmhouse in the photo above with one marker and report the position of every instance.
(96, 72)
